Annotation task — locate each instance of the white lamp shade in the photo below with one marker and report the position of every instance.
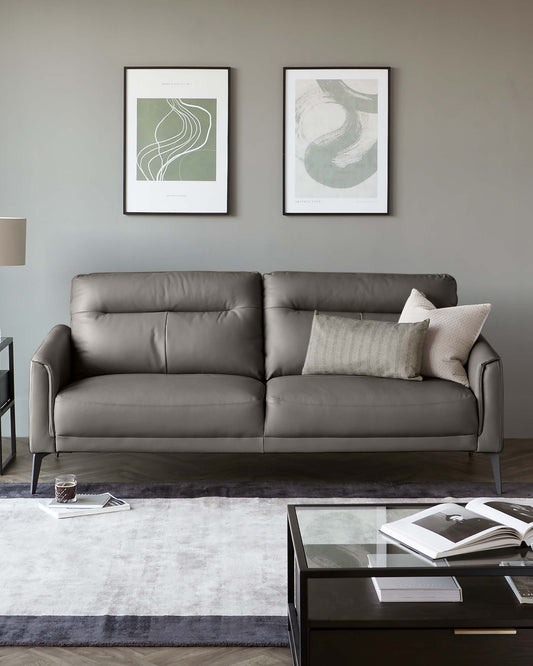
(12, 241)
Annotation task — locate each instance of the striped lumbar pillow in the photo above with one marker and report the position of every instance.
(342, 346)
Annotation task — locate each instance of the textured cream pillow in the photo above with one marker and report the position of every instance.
(450, 337)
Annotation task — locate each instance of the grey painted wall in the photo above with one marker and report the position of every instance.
(462, 93)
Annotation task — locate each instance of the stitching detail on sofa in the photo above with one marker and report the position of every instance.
(174, 437)
(294, 308)
(501, 411)
(157, 406)
(51, 422)
(165, 343)
(471, 434)
(219, 310)
(279, 401)
(481, 400)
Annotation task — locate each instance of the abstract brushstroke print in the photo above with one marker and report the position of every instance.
(336, 132)
(176, 139)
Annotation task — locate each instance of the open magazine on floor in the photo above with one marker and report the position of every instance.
(446, 530)
(86, 506)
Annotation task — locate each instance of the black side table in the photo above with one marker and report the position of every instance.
(7, 402)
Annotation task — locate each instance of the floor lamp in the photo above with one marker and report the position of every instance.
(12, 253)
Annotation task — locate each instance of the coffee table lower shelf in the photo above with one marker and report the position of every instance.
(489, 627)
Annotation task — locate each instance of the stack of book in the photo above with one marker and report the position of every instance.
(85, 505)
(449, 530)
(423, 588)
(522, 586)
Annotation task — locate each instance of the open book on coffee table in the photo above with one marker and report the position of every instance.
(450, 529)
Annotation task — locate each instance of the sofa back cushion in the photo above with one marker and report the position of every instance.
(292, 297)
(170, 322)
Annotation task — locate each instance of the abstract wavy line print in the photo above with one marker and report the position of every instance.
(176, 139)
(336, 134)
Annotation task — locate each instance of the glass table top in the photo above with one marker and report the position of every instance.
(348, 537)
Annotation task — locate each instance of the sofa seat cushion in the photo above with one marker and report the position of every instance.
(157, 405)
(356, 406)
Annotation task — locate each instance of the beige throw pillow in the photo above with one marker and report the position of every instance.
(343, 346)
(450, 337)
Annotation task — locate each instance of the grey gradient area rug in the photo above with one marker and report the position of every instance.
(186, 566)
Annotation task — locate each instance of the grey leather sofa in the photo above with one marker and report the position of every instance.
(212, 362)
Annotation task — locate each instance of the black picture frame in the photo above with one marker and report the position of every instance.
(184, 170)
(323, 173)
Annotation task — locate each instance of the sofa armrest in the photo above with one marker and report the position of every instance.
(50, 370)
(485, 374)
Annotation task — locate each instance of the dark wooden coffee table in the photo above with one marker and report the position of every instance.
(335, 618)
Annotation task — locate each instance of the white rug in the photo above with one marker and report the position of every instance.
(204, 557)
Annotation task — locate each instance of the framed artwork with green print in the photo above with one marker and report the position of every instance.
(336, 141)
(176, 135)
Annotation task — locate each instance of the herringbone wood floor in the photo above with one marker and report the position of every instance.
(517, 465)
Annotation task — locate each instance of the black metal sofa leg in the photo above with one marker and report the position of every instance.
(36, 468)
(496, 470)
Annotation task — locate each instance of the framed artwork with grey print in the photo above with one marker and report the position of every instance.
(336, 141)
(176, 130)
